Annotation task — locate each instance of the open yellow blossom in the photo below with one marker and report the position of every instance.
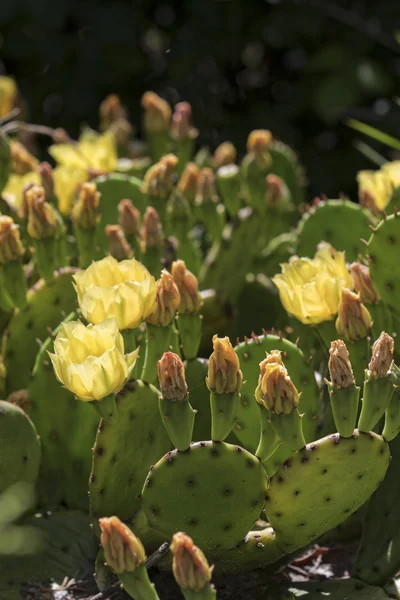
(124, 290)
(13, 192)
(8, 94)
(392, 170)
(92, 151)
(66, 182)
(310, 289)
(374, 189)
(90, 361)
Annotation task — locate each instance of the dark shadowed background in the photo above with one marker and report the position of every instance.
(299, 68)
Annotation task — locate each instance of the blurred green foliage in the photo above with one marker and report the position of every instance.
(299, 68)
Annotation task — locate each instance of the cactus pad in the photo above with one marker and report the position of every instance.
(341, 223)
(285, 164)
(19, 447)
(125, 450)
(322, 484)
(48, 303)
(214, 492)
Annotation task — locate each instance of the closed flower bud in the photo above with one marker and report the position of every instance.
(187, 284)
(47, 179)
(224, 374)
(363, 284)
(171, 377)
(181, 126)
(190, 567)
(42, 218)
(111, 110)
(354, 320)
(374, 190)
(123, 551)
(158, 180)
(157, 113)
(11, 247)
(273, 357)
(187, 185)
(128, 217)
(152, 232)
(167, 301)
(206, 190)
(224, 155)
(22, 161)
(90, 361)
(275, 389)
(85, 213)
(382, 356)
(118, 244)
(258, 141)
(276, 193)
(124, 290)
(339, 365)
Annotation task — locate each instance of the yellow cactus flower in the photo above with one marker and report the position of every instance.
(374, 189)
(124, 290)
(392, 170)
(13, 192)
(66, 183)
(92, 151)
(90, 361)
(310, 289)
(8, 94)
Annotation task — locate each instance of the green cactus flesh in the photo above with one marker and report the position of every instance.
(384, 264)
(125, 450)
(214, 492)
(340, 589)
(19, 447)
(67, 429)
(70, 549)
(340, 223)
(322, 484)
(196, 372)
(48, 303)
(379, 554)
(286, 165)
(251, 353)
(114, 188)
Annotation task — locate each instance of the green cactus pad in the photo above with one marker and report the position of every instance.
(379, 557)
(70, 550)
(214, 492)
(341, 223)
(124, 452)
(19, 446)
(251, 353)
(48, 303)
(67, 429)
(384, 265)
(341, 589)
(199, 397)
(285, 164)
(322, 485)
(114, 188)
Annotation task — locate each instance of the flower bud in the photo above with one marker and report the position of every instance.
(111, 110)
(206, 190)
(382, 356)
(152, 232)
(47, 179)
(11, 247)
(171, 377)
(22, 161)
(224, 155)
(167, 301)
(354, 320)
(123, 551)
(158, 180)
(117, 243)
(85, 213)
(128, 217)
(42, 217)
(258, 141)
(181, 126)
(19, 398)
(224, 374)
(157, 113)
(190, 567)
(275, 389)
(187, 284)
(339, 365)
(363, 284)
(187, 184)
(277, 193)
